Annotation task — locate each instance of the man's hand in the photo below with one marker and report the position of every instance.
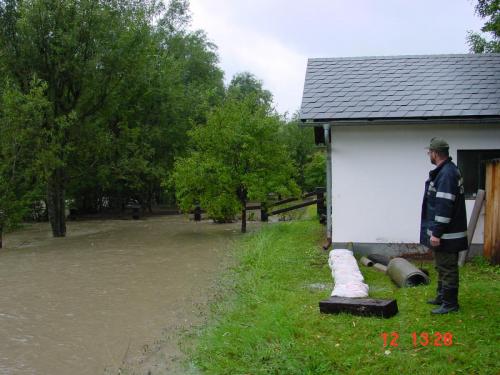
(435, 241)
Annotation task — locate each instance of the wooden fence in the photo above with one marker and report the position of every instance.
(272, 208)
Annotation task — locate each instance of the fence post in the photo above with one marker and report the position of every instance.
(135, 213)
(263, 211)
(321, 208)
(197, 212)
(1, 227)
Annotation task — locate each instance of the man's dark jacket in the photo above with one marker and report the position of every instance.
(443, 209)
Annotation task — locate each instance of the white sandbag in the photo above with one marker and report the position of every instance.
(346, 274)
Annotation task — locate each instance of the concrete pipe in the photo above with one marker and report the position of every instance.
(365, 261)
(380, 267)
(405, 274)
(379, 258)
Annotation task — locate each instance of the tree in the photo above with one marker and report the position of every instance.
(80, 49)
(142, 125)
(489, 9)
(244, 85)
(150, 114)
(234, 158)
(124, 82)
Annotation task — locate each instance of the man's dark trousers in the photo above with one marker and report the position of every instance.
(447, 268)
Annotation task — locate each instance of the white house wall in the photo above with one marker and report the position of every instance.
(378, 176)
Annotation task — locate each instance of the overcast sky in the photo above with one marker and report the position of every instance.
(274, 38)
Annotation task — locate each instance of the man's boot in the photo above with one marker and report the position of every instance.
(450, 301)
(439, 295)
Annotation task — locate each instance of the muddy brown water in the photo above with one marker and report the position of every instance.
(101, 298)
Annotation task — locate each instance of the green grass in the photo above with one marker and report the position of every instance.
(266, 319)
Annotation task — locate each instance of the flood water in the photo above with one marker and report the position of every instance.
(96, 300)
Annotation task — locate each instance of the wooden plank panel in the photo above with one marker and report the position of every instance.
(385, 308)
(494, 210)
(492, 213)
(487, 213)
(495, 229)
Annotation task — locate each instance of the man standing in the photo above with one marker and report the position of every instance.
(443, 226)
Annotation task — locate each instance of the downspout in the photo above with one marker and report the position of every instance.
(326, 129)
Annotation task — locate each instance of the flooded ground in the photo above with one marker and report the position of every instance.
(104, 296)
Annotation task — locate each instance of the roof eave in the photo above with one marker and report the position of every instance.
(473, 120)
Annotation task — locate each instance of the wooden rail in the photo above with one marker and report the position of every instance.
(283, 201)
(255, 207)
(291, 208)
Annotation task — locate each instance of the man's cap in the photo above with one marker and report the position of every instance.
(438, 144)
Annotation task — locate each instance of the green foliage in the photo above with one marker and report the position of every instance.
(234, 158)
(244, 85)
(79, 50)
(123, 83)
(21, 116)
(267, 321)
(315, 171)
(479, 44)
(484, 265)
(204, 180)
(489, 9)
(300, 143)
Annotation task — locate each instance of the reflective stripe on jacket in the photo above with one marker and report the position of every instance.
(443, 209)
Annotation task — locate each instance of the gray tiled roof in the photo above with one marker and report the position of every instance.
(402, 87)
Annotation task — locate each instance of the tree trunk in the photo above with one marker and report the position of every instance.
(244, 219)
(242, 195)
(1, 234)
(56, 203)
(150, 198)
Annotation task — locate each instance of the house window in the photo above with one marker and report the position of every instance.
(473, 168)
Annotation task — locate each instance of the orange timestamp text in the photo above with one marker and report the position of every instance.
(419, 339)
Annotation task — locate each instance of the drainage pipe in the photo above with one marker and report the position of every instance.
(326, 129)
(405, 274)
(380, 267)
(367, 262)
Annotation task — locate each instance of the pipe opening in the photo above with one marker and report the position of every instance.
(416, 279)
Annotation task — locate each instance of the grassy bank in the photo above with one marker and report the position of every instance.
(267, 320)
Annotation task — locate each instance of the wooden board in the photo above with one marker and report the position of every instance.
(492, 212)
(385, 308)
(471, 228)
